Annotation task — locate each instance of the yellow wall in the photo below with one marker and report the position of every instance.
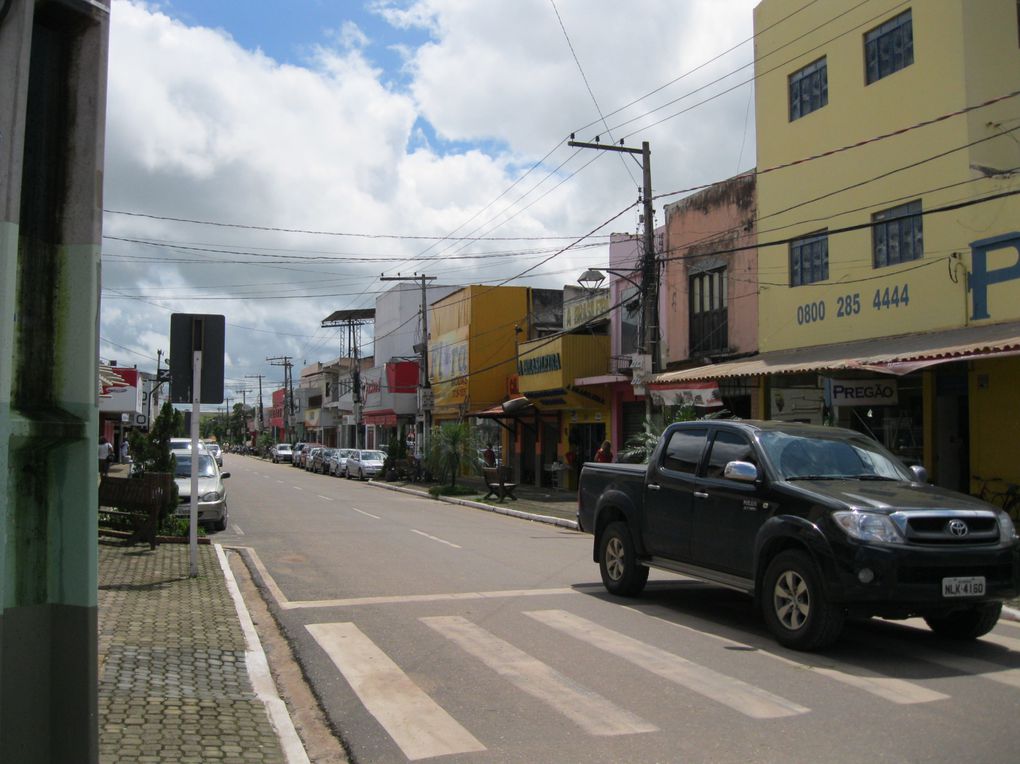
(994, 420)
(579, 355)
(964, 53)
(472, 332)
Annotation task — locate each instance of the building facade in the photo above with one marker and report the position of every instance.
(889, 226)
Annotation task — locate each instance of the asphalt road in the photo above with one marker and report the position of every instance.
(429, 630)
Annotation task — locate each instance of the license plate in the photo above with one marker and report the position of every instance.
(964, 586)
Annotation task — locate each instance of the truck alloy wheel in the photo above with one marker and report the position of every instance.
(795, 608)
(621, 572)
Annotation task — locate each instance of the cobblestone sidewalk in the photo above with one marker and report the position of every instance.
(173, 684)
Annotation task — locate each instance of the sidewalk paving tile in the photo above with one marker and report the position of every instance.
(173, 681)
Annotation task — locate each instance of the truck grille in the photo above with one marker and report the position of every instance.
(948, 527)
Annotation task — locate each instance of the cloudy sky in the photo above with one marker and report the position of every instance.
(268, 161)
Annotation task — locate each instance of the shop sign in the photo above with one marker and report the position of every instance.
(864, 392)
(702, 394)
(981, 276)
(122, 398)
(797, 404)
(539, 364)
(582, 310)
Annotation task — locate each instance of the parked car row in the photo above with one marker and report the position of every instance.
(337, 462)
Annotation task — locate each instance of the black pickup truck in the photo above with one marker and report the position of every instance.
(816, 523)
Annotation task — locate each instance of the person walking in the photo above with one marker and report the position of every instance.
(125, 452)
(105, 454)
(605, 453)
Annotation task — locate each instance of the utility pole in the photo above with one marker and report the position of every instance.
(425, 401)
(288, 395)
(648, 335)
(244, 408)
(262, 422)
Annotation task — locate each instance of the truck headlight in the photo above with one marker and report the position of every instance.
(868, 526)
(1007, 531)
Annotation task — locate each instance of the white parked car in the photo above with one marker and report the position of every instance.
(212, 494)
(216, 451)
(281, 452)
(363, 464)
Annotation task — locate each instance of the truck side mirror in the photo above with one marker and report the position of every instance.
(743, 472)
(920, 473)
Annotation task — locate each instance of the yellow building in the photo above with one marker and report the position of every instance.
(888, 142)
(570, 420)
(472, 345)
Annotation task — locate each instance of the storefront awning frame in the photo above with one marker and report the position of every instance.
(887, 355)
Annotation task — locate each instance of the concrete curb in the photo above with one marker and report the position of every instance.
(557, 521)
(258, 671)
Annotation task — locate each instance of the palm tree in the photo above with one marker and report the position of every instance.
(451, 447)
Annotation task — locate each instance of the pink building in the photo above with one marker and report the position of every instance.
(709, 291)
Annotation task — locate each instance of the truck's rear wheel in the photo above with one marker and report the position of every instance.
(971, 623)
(795, 608)
(621, 573)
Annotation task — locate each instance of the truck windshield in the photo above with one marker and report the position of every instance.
(808, 457)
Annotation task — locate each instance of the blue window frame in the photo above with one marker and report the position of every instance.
(809, 89)
(889, 47)
(897, 235)
(809, 259)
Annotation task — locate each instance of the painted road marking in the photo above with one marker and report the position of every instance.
(888, 688)
(1010, 643)
(325, 498)
(297, 488)
(593, 713)
(416, 723)
(436, 538)
(238, 531)
(367, 514)
(740, 696)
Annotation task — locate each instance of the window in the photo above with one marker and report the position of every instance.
(897, 235)
(709, 328)
(809, 259)
(809, 89)
(683, 452)
(889, 48)
(728, 447)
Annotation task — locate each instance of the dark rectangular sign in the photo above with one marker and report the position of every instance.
(190, 332)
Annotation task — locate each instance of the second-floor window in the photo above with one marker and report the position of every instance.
(889, 47)
(809, 259)
(809, 89)
(897, 235)
(709, 330)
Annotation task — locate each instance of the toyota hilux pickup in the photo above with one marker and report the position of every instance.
(815, 523)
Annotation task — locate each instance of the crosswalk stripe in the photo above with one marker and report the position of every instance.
(738, 695)
(1010, 643)
(888, 688)
(593, 713)
(417, 724)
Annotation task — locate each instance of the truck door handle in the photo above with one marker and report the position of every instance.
(700, 495)
(654, 487)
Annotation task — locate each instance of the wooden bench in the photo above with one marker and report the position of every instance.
(136, 503)
(496, 480)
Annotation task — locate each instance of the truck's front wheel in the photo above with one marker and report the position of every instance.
(971, 623)
(621, 573)
(795, 607)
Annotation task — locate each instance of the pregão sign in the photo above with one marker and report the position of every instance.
(864, 392)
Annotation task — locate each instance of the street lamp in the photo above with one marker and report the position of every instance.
(593, 278)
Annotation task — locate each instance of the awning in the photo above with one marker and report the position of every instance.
(889, 355)
(510, 409)
(380, 418)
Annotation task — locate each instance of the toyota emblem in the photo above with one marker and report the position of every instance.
(957, 528)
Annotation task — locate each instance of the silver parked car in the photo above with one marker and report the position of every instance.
(336, 463)
(281, 452)
(212, 495)
(365, 464)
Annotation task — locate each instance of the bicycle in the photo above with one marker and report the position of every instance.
(1007, 499)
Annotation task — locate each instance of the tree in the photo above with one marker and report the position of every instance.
(451, 448)
(151, 451)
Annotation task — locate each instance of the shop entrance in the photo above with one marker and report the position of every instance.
(585, 440)
(952, 429)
